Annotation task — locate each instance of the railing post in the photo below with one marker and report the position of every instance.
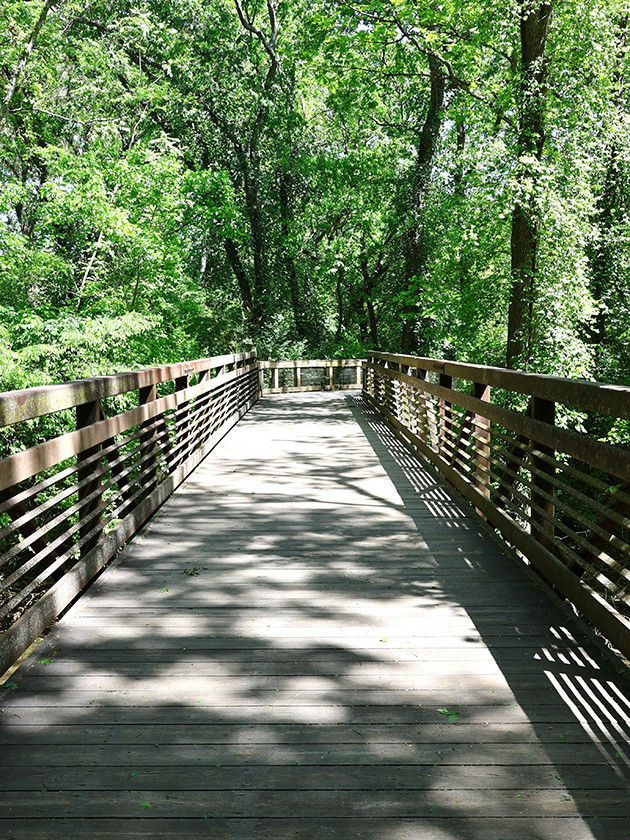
(261, 379)
(481, 441)
(418, 415)
(396, 396)
(276, 378)
(182, 432)
(446, 381)
(404, 395)
(544, 410)
(330, 369)
(87, 414)
(386, 386)
(148, 470)
(298, 377)
(379, 382)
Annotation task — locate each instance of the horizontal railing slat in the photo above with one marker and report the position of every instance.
(25, 464)
(286, 364)
(16, 406)
(601, 455)
(610, 400)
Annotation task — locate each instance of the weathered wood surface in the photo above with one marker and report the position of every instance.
(270, 658)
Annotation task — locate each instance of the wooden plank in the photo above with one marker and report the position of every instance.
(313, 777)
(528, 671)
(287, 733)
(425, 677)
(316, 804)
(264, 755)
(107, 660)
(349, 828)
(231, 694)
(322, 713)
(243, 648)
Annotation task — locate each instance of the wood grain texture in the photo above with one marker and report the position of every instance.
(313, 638)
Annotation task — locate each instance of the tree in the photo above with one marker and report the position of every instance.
(532, 76)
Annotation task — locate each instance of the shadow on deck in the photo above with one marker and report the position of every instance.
(314, 638)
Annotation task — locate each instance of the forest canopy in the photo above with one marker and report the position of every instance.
(182, 178)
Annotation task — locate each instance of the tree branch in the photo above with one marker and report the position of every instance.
(27, 50)
(269, 45)
(455, 82)
(94, 24)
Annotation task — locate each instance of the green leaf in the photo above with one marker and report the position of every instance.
(452, 716)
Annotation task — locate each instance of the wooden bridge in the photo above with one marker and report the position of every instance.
(317, 635)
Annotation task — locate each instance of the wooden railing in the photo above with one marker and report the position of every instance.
(309, 375)
(112, 450)
(558, 495)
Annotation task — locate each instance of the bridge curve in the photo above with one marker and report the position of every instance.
(316, 638)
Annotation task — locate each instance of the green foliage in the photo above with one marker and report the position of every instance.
(177, 180)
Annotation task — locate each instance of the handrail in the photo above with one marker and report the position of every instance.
(559, 496)
(35, 402)
(69, 503)
(611, 400)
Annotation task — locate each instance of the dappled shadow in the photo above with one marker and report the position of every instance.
(564, 676)
(300, 648)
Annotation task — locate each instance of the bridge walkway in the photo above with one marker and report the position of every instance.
(314, 638)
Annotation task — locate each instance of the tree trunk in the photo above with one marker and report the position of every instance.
(300, 300)
(369, 283)
(414, 249)
(27, 49)
(611, 206)
(372, 321)
(234, 259)
(534, 23)
(340, 313)
(253, 200)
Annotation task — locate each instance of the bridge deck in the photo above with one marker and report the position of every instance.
(314, 639)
